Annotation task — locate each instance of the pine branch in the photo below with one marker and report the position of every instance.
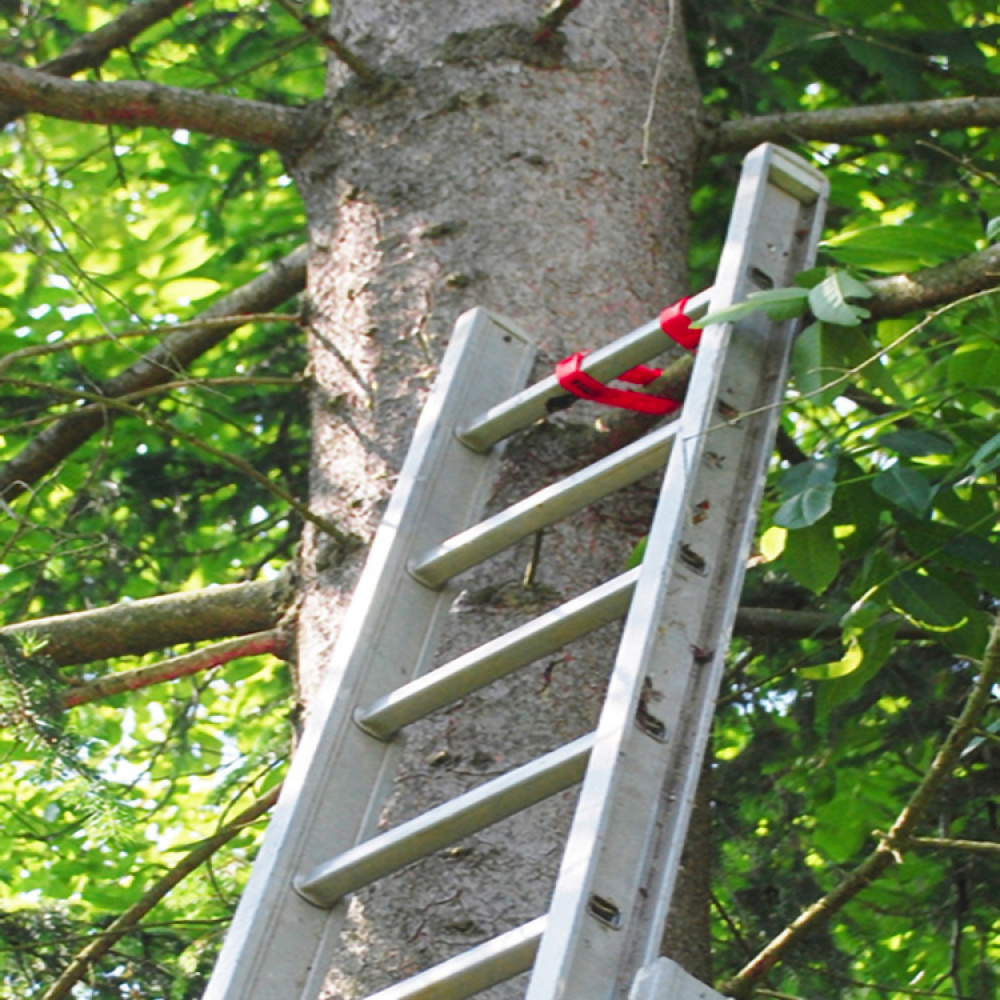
(133, 628)
(280, 282)
(206, 658)
(844, 124)
(91, 50)
(105, 940)
(892, 844)
(132, 103)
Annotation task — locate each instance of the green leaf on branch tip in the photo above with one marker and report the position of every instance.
(777, 303)
(829, 300)
(906, 488)
(993, 229)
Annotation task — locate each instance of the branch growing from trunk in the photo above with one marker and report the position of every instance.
(131, 103)
(843, 124)
(91, 50)
(892, 844)
(206, 658)
(129, 920)
(328, 40)
(133, 628)
(283, 280)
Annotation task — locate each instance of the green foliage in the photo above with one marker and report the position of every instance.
(889, 521)
(104, 231)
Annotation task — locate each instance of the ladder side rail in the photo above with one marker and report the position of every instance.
(499, 657)
(279, 946)
(604, 867)
(635, 348)
(763, 410)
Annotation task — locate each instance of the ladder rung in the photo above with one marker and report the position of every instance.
(492, 962)
(472, 546)
(447, 823)
(499, 657)
(526, 407)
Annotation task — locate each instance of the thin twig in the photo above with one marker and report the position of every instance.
(892, 844)
(216, 323)
(322, 34)
(345, 541)
(551, 21)
(105, 940)
(647, 125)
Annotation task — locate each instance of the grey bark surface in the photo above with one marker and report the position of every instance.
(492, 173)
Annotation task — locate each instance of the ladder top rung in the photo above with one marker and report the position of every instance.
(605, 363)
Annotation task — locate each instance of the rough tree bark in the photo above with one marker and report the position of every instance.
(499, 172)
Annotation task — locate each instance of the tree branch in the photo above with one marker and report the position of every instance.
(891, 844)
(206, 658)
(280, 282)
(934, 286)
(106, 939)
(843, 124)
(91, 50)
(132, 103)
(133, 628)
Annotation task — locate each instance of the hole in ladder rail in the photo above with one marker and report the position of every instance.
(691, 558)
(761, 278)
(605, 911)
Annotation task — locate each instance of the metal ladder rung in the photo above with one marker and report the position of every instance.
(635, 348)
(447, 823)
(492, 962)
(499, 657)
(467, 548)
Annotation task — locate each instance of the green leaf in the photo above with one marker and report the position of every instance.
(829, 300)
(903, 247)
(811, 556)
(635, 557)
(993, 229)
(927, 602)
(810, 487)
(778, 303)
(986, 458)
(914, 443)
(867, 652)
(906, 488)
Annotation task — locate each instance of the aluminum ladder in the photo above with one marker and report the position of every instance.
(601, 935)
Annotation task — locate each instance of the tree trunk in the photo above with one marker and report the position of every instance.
(498, 172)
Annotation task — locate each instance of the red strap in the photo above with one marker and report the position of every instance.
(677, 326)
(586, 386)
